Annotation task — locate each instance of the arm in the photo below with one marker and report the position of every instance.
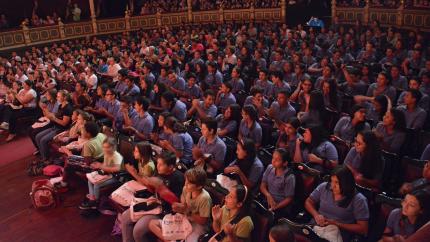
(298, 152)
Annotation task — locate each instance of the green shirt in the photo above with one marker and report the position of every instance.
(201, 205)
(242, 229)
(146, 170)
(93, 147)
(115, 160)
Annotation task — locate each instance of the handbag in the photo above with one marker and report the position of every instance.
(226, 182)
(125, 193)
(175, 227)
(330, 232)
(96, 178)
(144, 206)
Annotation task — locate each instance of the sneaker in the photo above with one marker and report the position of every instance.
(88, 204)
(36, 152)
(4, 125)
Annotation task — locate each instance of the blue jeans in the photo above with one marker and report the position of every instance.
(42, 141)
(94, 189)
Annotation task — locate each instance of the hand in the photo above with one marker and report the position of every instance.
(130, 129)
(320, 220)
(96, 165)
(199, 162)
(331, 221)
(216, 213)
(228, 228)
(163, 143)
(130, 169)
(179, 207)
(358, 178)
(272, 203)
(232, 169)
(313, 158)
(195, 102)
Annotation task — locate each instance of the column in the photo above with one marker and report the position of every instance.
(158, 15)
(61, 29)
(93, 16)
(190, 11)
(221, 14)
(366, 13)
(400, 12)
(283, 11)
(333, 11)
(252, 15)
(127, 20)
(26, 31)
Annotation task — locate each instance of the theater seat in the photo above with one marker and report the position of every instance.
(412, 168)
(263, 219)
(304, 231)
(342, 147)
(391, 178)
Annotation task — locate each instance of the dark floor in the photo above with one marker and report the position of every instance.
(19, 221)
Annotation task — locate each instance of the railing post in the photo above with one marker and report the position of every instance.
(158, 15)
(26, 32)
(283, 11)
(221, 14)
(252, 15)
(333, 11)
(400, 12)
(127, 20)
(366, 12)
(61, 29)
(93, 16)
(190, 11)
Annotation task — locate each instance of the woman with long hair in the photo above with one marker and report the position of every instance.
(348, 126)
(316, 114)
(392, 130)
(249, 126)
(338, 203)
(330, 93)
(143, 155)
(247, 166)
(178, 141)
(228, 122)
(414, 213)
(365, 160)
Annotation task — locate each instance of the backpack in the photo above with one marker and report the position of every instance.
(43, 194)
(52, 170)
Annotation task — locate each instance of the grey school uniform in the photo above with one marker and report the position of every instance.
(144, 124)
(254, 174)
(414, 119)
(280, 187)
(237, 85)
(391, 142)
(179, 110)
(390, 91)
(230, 125)
(325, 150)
(357, 209)
(179, 84)
(113, 107)
(183, 142)
(401, 82)
(217, 148)
(345, 131)
(214, 80)
(194, 92)
(150, 78)
(210, 111)
(423, 103)
(283, 113)
(254, 133)
(266, 85)
(248, 101)
(395, 219)
(226, 100)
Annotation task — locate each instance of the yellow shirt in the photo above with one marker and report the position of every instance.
(242, 229)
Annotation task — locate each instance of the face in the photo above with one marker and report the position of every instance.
(289, 129)
(359, 143)
(388, 119)
(209, 100)
(395, 71)
(413, 84)
(262, 75)
(326, 88)
(162, 167)
(277, 160)
(409, 99)
(326, 71)
(307, 136)
(381, 80)
(60, 97)
(360, 115)
(109, 96)
(231, 200)
(107, 149)
(190, 187)
(282, 99)
(335, 186)
(411, 206)
(136, 153)
(75, 116)
(241, 153)
(234, 74)
(138, 107)
(205, 131)
(306, 86)
(259, 97)
(227, 113)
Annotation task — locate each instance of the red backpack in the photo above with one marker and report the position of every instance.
(43, 194)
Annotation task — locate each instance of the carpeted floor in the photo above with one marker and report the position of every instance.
(19, 221)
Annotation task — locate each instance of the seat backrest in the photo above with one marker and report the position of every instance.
(412, 168)
(424, 140)
(342, 148)
(125, 148)
(230, 155)
(216, 191)
(263, 220)
(302, 230)
(392, 174)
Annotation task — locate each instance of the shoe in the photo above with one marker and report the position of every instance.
(88, 204)
(4, 126)
(10, 137)
(36, 152)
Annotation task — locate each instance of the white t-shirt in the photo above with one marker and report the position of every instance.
(58, 61)
(22, 78)
(91, 81)
(32, 103)
(113, 71)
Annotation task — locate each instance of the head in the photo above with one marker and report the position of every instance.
(141, 104)
(342, 183)
(236, 199)
(316, 101)
(91, 129)
(358, 113)
(27, 84)
(257, 93)
(395, 118)
(208, 98)
(412, 97)
(195, 179)
(307, 86)
(280, 158)
(249, 113)
(416, 204)
(246, 150)
(63, 96)
(166, 163)
(209, 127)
(109, 146)
(110, 95)
(281, 232)
(314, 135)
(232, 112)
(382, 79)
(283, 97)
(142, 151)
(226, 87)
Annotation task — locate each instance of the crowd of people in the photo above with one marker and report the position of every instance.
(214, 97)
(385, 3)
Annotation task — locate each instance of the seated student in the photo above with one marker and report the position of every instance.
(365, 160)
(176, 107)
(142, 153)
(258, 100)
(348, 126)
(302, 94)
(195, 203)
(142, 124)
(380, 87)
(126, 112)
(210, 145)
(60, 122)
(175, 83)
(278, 184)
(281, 110)
(192, 90)
(26, 97)
(264, 84)
(316, 114)
(424, 101)
(391, 130)
(146, 88)
(99, 101)
(419, 184)
(120, 85)
(73, 139)
(414, 115)
(228, 122)
(315, 149)
(204, 109)
(332, 99)
(249, 127)
(112, 162)
(236, 82)
(279, 84)
(287, 137)
(403, 222)
(178, 140)
(339, 204)
(158, 131)
(225, 97)
(281, 232)
(247, 165)
(168, 184)
(232, 222)
(111, 108)
(80, 97)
